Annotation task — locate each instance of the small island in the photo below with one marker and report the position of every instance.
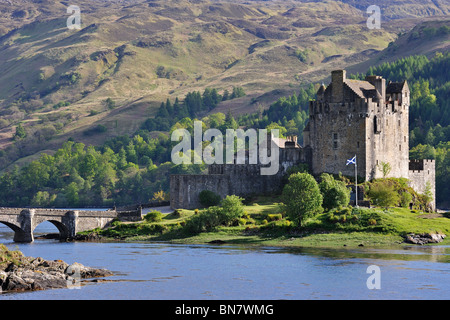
(308, 214)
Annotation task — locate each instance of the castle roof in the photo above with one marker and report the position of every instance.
(363, 89)
(321, 89)
(395, 87)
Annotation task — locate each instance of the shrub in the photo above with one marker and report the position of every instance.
(302, 197)
(335, 193)
(116, 223)
(242, 221)
(209, 198)
(204, 222)
(405, 199)
(274, 217)
(382, 194)
(154, 216)
(372, 222)
(232, 208)
(151, 229)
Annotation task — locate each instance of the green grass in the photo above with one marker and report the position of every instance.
(7, 256)
(260, 225)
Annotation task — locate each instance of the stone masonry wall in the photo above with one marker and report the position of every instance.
(422, 173)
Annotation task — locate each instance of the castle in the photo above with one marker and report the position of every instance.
(368, 119)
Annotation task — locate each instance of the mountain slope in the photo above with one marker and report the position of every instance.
(138, 53)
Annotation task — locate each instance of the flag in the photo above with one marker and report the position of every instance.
(352, 161)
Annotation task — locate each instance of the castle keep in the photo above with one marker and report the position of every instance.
(368, 119)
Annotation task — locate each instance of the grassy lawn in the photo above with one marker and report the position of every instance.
(263, 223)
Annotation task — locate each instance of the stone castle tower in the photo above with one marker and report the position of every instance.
(367, 118)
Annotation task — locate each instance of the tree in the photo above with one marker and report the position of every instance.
(428, 194)
(110, 103)
(159, 196)
(230, 122)
(385, 168)
(383, 194)
(41, 199)
(20, 132)
(208, 198)
(302, 197)
(335, 193)
(232, 208)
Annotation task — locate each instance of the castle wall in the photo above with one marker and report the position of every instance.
(185, 189)
(240, 180)
(423, 173)
(337, 133)
(387, 139)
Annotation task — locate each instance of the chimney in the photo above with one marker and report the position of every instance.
(338, 78)
(379, 83)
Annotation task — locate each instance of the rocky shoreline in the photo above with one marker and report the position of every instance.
(19, 273)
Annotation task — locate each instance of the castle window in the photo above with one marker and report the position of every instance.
(399, 123)
(335, 140)
(387, 122)
(404, 138)
(377, 124)
(357, 144)
(400, 147)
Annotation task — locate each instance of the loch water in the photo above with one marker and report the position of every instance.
(152, 271)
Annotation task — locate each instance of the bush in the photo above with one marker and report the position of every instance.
(242, 221)
(335, 193)
(384, 195)
(405, 199)
(302, 197)
(232, 208)
(208, 198)
(230, 212)
(154, 216)
(204, 222)
(274, 217)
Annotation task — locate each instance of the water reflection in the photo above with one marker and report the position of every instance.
(167, 271)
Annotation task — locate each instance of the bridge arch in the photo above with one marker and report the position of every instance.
(63, 230)
(12, 226)
(15, 222)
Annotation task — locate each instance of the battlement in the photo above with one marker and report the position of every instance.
(421, 165)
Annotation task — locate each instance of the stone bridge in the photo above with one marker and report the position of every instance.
(69, 223)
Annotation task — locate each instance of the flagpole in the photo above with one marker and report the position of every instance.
(356, 181)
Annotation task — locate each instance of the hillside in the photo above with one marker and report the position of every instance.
(426, 38)
(55, 81)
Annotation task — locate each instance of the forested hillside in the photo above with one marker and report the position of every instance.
(130, 170)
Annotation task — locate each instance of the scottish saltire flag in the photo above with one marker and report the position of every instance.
(352, 161)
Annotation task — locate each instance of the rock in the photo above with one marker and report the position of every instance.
(424, 238)
(31, 274)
